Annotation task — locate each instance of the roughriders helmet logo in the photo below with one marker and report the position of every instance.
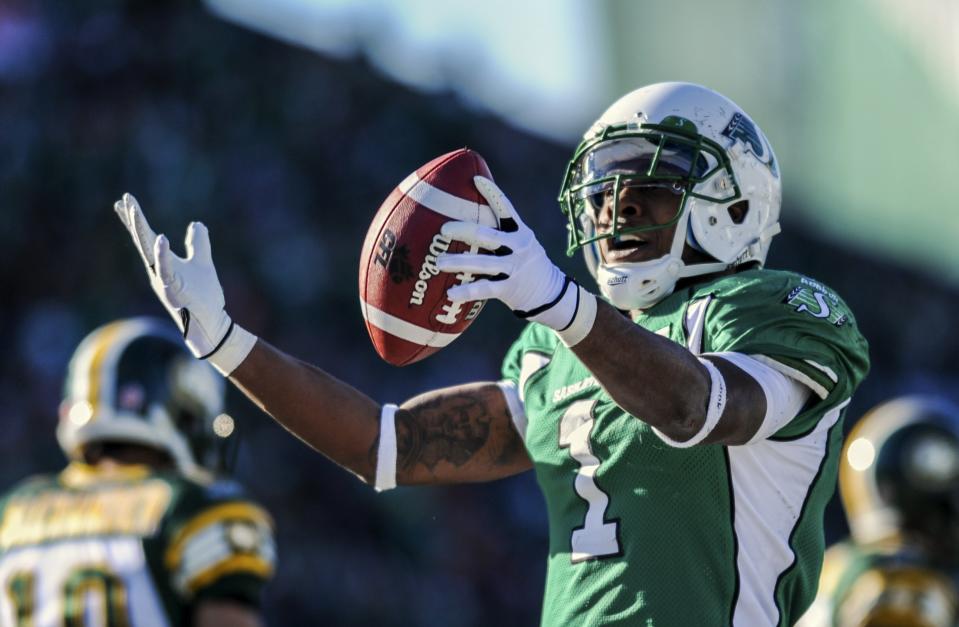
(741, 129)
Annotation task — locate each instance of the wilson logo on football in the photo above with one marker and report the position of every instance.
(428, 270)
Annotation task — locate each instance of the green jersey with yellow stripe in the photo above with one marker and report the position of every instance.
(642, 533)
(129, 546)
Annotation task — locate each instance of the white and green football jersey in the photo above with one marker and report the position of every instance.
(642, 533)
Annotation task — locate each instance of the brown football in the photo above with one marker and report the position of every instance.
(402, 294)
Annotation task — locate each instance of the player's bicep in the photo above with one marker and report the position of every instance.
(458, 434)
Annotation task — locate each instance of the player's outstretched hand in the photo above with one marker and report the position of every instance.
(188, 287)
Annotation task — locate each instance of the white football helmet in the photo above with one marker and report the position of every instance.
(701, 146)
(133, 381)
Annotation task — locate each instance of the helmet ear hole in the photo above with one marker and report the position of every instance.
(738, 211)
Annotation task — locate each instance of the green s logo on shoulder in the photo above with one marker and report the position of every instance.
(818, 304)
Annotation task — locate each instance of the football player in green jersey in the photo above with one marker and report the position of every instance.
(136, 530)
(684, 427)
(899, 482)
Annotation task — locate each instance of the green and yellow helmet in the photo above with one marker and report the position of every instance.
(133, 381)
(899, 475)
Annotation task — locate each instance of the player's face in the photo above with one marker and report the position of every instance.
(641, 206)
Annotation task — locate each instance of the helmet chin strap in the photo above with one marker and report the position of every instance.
(642, 284)
(638, 285)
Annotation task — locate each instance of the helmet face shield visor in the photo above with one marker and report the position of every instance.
(655, 164)
(639, 156)
(599, 202)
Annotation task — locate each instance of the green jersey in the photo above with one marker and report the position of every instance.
(128, 547)
(642, 533)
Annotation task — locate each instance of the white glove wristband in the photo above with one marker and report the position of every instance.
(233, 349)
(386, 452)
(571, 315)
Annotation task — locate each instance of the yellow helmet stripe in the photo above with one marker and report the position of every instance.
(93, 360)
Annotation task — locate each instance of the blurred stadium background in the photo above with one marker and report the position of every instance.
(282, 124)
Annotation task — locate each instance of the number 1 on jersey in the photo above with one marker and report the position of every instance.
(596, 538)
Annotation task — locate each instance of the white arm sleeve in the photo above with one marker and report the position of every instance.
(386, 452)
(714, 409)
(785, 396)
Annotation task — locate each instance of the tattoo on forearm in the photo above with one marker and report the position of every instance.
(449, 429)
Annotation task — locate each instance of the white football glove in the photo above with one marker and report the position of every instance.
(189, 289)
(520, 274)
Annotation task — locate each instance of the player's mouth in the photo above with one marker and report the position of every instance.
(629, 247)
